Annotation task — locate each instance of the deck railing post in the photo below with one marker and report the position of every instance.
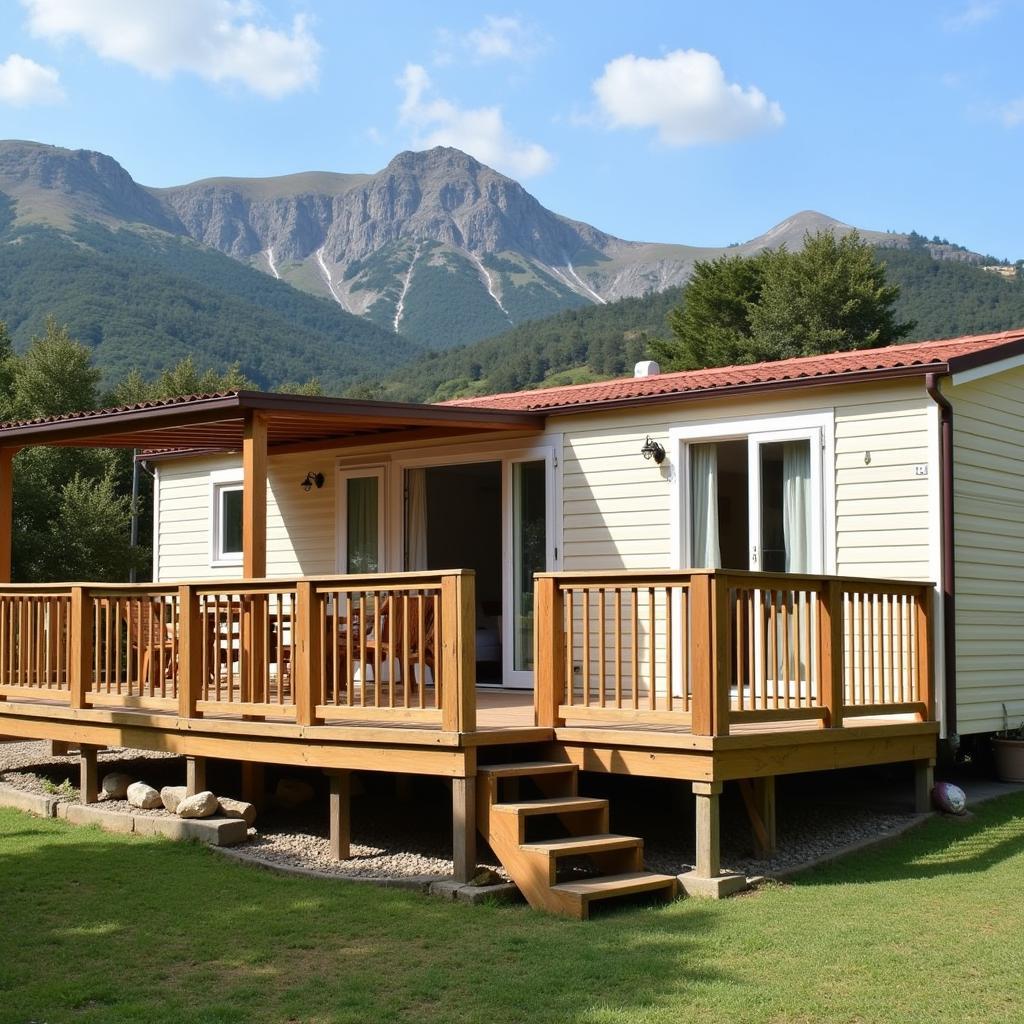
(190, 651)
(80, 646)
(307, 653)
(711, 659)
(458, 651)
(925, 629)
(722, 646)
(831, 651)
(549, 651)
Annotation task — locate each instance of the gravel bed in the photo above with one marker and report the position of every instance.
(403, 838)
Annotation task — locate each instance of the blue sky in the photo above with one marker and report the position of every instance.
(678, 121)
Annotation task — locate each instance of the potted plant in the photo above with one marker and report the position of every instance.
(1008, 751)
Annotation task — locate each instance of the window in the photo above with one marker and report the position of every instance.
(225, 519)
(361, 520)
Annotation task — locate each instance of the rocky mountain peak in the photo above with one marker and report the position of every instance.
(89, 183)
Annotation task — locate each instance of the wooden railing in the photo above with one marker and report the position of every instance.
(390, 648)
(708, 649)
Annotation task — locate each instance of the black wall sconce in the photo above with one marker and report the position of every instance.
(653, 450)
(312, 479)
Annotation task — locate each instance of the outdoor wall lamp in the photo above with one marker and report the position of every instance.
(653, 450)
(310, 479)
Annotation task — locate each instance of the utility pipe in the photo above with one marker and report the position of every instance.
(931, 385)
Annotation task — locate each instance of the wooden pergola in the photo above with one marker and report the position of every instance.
(254, 423)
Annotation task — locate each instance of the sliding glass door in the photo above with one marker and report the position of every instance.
(755, 502)
(529, 543)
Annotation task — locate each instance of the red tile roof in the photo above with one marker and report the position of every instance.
(917, 358)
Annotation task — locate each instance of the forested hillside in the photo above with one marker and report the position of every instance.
(147, 302)
(944, 297)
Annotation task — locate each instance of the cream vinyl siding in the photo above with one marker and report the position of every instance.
(882, 507)
(616, 506)
(300, 526)
(988, 474)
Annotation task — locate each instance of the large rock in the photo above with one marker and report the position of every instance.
(292, 792)
(237, 809)
(202, 805)
(144, 796)
(171, 796)
(115, 786)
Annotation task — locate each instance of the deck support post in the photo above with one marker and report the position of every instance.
(340, 805)
(59, 748)
(924, 782)
(709, 864)
(88, 784)
(706, 880)
(764, 799)
(464, 828)
(195, 775)
(759, 800)
(252, 783)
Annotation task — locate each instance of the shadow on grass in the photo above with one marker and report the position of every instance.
(943, 846)
(125, 928)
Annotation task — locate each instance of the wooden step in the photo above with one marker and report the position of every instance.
(508, 771)
(553, 805)
(579, 846)
(579, 895)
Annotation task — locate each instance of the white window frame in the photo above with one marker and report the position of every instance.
(780, 426)
(222, 481)
(345, 473)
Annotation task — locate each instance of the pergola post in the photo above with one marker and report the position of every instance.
(6, 511)
(254, 555)
(254, 496)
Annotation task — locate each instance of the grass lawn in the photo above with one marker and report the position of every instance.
(103, 928)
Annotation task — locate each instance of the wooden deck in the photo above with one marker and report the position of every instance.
(703, 677)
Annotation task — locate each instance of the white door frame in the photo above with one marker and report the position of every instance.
(350, 472)
(781, 426)
(547, 449)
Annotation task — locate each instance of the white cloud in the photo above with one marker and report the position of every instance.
(975, 13)
(498, 38)
(25, 83)
(504, 38)
(218, 40)
(1012, 113)
(436, 121)
(685, 96)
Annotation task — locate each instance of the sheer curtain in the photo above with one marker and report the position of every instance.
(796, 504)
(363, 546)
(704, 545)
(416, 520)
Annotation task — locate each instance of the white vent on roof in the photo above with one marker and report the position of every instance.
(646, 368)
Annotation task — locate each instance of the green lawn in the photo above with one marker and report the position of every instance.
(103, 928)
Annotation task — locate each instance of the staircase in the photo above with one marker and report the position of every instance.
(556, 845)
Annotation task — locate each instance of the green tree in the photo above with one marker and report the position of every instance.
(712, 325)
(71, 512)
(830, 296)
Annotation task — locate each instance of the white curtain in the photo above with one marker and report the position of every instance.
(796, 504)
(416, 520)
(704, 506)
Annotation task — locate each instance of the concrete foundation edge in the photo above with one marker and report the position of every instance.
(211, 831)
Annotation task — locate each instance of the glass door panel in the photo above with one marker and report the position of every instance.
(529, 553)
(785, 528)
(361, 521)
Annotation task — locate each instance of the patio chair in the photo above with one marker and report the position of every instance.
(151, 638)
(385, 644)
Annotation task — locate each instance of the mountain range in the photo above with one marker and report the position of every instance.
(339, 276)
